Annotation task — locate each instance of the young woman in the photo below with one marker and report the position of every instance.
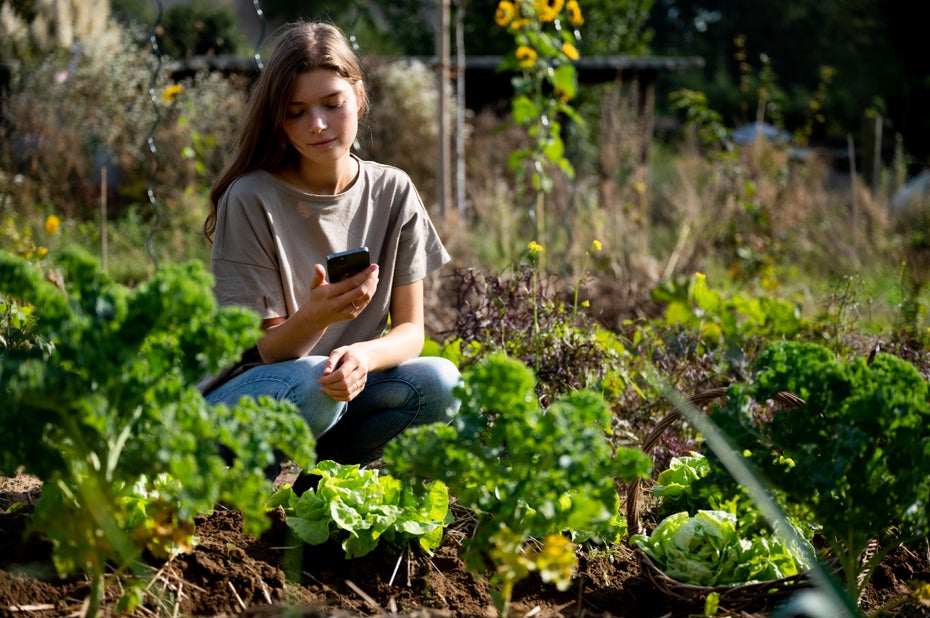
(347, 352)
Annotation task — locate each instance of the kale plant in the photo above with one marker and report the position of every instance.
(855, 455)
(107, 412)
(527, 473)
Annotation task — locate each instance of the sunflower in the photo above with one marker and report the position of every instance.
(527, 56)
(505, 13)
(548, 10)
(574, 13)
(570, 50)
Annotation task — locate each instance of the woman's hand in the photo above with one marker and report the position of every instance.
(344, 300)
(345, 373)
(295, 336)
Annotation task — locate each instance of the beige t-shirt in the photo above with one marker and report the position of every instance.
(269, 236)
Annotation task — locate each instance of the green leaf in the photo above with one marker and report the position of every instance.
(311, 531)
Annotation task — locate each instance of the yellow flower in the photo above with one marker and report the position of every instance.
(517, 24)
(596, 245)
(548, 10)
(534, 248)
(527, 56)
(574, 13)
(505, 13)
(51, 224)
(171, 92)
(570, 50)
(921, 591)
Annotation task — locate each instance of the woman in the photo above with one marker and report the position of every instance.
(292, 193)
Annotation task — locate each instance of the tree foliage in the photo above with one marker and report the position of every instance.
(872, 45)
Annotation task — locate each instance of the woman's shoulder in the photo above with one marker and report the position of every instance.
(252, 182)
(382, 172)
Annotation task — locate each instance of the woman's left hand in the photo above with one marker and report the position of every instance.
(345, 373)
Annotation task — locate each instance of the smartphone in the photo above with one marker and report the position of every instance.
(344, 264)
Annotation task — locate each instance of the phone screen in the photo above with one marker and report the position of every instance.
(344, 264)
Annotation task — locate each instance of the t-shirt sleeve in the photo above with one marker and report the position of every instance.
(420, 250)
(244, 257)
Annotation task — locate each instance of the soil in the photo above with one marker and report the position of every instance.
(230, 573)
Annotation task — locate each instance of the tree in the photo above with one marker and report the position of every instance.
(873, 45)
(198, 29)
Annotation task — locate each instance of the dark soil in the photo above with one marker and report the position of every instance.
(230, 573)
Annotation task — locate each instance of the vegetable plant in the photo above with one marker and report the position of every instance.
(530, 475)
(712, 534)
(359, 507)
(733, 322)
(855, 455)
(103, 409)
(522, 314)
(707, 549)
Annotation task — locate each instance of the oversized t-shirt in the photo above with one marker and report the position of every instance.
(270, 235)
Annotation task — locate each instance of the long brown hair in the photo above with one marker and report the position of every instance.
(261, 142)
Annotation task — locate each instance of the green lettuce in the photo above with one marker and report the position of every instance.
(706, 550)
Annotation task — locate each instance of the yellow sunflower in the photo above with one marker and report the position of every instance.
(571, 51)
(548, 10)
(574, 13)
(527, 56)
(505, 13)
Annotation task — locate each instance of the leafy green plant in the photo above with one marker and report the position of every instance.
(360, 507)
(712, 534)
(735, 322)
(108, 412)
(691, 484)
(525, 472)
(707, 549)
(854, 455)
(522, 313)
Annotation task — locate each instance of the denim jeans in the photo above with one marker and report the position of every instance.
(417, 392)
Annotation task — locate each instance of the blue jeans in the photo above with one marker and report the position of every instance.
(417, 392)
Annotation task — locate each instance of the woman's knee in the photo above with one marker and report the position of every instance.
(439, 378)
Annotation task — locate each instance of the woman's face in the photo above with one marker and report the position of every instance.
(321, 118)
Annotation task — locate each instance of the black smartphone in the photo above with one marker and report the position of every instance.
(344, 264)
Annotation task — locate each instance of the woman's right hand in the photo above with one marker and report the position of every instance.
(329, 303)
(343, 300)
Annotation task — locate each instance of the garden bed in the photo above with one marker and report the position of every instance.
(230, 573)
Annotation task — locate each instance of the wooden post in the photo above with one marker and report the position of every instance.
(853, 185)
(444, 179)
(103, 217)
(460, 107)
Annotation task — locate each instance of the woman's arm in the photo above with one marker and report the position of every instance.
(294, 336)
(405, 339)
(347, 369)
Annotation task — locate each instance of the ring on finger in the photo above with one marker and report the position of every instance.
(354, 306)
